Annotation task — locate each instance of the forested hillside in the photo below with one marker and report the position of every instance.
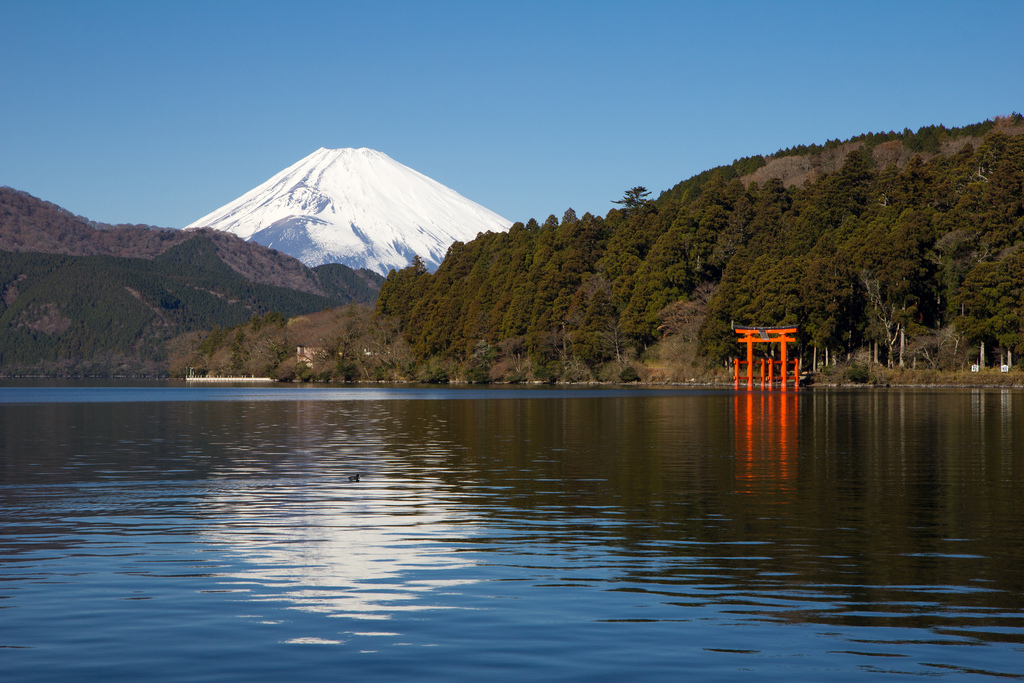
(78, 297)
(902, 249)
(29, 224)
(112, 315)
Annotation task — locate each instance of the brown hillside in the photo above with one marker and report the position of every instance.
(797, 170)
(29, 224)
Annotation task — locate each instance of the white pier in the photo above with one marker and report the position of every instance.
(229, 379)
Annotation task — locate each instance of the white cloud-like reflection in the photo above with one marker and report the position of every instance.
(362, 550)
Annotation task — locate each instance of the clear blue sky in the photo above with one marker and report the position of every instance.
(160, 112)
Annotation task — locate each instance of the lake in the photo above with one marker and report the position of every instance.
(152, 531)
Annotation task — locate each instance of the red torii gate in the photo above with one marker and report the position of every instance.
(752, 335)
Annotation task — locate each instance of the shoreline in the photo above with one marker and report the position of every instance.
(933, 381)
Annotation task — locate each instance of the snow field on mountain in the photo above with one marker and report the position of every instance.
(354, 206)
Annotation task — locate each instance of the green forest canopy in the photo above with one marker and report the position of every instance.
(910, 246)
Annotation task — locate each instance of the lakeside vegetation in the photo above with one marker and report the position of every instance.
(352, 344)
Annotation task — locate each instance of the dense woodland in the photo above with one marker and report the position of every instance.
(895, 249)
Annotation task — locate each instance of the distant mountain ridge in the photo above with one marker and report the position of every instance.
(30, 224)
(83, 298)
(358, 207)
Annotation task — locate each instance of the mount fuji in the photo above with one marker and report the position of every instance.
(358, 207)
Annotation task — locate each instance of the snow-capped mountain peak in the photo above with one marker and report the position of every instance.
(359, 207)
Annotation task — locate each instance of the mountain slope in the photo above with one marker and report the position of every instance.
(61, 311)
(78, 297)
(29, 224)
(358, 207)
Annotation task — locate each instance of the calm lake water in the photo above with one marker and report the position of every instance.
(157, 532)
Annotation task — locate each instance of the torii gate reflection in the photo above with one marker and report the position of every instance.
(765, 439)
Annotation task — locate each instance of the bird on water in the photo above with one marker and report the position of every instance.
(354, 477)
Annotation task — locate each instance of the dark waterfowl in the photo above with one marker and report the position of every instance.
(354, 477)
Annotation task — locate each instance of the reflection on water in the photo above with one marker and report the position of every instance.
(767, 438)
(346, 550)
(501, 534)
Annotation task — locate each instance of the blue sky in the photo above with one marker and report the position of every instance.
(160, 112)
